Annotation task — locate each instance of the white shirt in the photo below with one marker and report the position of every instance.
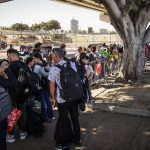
(54, 76)
(89, 70)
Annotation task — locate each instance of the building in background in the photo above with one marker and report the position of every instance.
(90, 30)
(74, 26)
(103, 31)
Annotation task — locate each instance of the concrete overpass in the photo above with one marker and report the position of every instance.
(3, 1)
(91, 4)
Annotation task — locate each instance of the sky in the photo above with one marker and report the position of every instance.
(36, 11)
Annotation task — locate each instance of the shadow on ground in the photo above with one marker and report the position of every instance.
(100, 131)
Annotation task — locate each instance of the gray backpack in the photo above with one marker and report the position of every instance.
(5, 103)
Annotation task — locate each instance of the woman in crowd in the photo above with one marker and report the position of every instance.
(42, 70)
(82, 72)
(7, 83)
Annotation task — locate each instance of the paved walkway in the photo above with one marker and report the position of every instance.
(133, 96)
(100, 131)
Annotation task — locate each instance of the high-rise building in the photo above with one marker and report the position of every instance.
(74, 26)
(90, 30)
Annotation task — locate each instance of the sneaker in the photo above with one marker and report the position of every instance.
(10, 138)
(23, 135)
(59, 147)
(53, 118)
(81, 112)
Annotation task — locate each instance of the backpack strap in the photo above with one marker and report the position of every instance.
(59, 66)
(68, 64)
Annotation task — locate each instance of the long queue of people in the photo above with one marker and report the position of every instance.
(32, 85)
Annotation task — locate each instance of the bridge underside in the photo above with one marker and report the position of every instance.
(91, 4)
(3, 1)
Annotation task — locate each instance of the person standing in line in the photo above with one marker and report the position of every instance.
(67, 110)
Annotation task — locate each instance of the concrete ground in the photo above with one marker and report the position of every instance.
(100, 131)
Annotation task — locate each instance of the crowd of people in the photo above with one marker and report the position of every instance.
(38, 80)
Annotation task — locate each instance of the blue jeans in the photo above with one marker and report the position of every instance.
(3, 133)
(46, 105)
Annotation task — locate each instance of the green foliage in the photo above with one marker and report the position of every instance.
(19, 27)
(36, 27)
(51, 25)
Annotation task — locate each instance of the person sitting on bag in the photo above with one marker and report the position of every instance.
(6, 82)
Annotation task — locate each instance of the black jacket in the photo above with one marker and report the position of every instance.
(10, 83)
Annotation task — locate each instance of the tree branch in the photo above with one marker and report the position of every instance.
(113, 7)
(147, 36)
(121, 2)
(143, 18)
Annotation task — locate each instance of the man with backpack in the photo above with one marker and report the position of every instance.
(65, 80)
(19, 70)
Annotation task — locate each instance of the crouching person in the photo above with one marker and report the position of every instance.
(65, 79)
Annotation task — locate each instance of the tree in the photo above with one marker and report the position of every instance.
(45, 28)
(39, 29)
(130, 19)
(19, 27)
(52, 26)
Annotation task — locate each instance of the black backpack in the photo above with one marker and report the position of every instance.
(44, 82)
(71, 84)
(27, 82)
(35, 123)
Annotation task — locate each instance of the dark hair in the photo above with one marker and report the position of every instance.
(104, 44)
(37, 55)
(94, 49)
(59, 52)
(79, 48)
(37, 45)
(89, 46)
(82, 55)
(28, 60)
(62, 46)
(13, 51)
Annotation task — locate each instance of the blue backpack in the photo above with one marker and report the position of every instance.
(5, 103)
